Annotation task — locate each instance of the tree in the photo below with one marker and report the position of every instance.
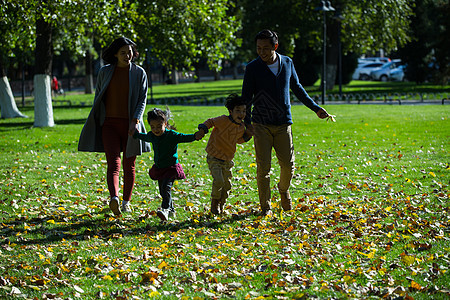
(13, 24)
(427, 54)
(182, 32)
(368, 25)
(57, 24)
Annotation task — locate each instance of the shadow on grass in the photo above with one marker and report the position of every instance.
(30, 124)
(103, 226)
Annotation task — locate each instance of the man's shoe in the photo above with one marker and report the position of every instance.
(222, 205)
(214, 206)
(286, 201)
(266, 212)
(114, 205)
(163, 214)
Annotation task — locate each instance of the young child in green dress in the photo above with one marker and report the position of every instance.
(166, 169)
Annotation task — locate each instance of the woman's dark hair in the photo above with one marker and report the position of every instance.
(160, 115)
(108, 53)
(267, 34)
(234, 100)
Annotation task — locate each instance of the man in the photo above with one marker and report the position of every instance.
(266, 86)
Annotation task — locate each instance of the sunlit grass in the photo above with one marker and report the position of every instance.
(371, 214)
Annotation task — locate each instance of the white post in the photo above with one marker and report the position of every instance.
(43, 110)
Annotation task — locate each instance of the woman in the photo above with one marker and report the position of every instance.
(119, 103)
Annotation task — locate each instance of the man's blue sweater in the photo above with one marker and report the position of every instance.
(269, 94)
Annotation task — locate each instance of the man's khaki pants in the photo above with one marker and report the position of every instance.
(278, 137)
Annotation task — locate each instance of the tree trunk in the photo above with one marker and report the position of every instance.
(89, 80)
(174, 76)
(216, 75)
(43, 110)
(8, 106)
(43, 113)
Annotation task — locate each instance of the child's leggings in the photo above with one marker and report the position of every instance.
(165, 188)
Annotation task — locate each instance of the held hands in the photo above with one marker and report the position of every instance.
(132, 128)
(199, 134)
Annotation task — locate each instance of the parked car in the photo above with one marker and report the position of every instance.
(382, 73)
(366, 60)
(397, 74)
(362, 72)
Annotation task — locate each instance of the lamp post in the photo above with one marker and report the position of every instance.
(324, 7)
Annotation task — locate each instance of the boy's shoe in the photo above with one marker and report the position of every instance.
(126, 208)
(163, 214)
(286, 201)
(172, 214)
(114, 205)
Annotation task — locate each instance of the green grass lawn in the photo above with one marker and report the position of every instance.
(371, 219)
(212, 90)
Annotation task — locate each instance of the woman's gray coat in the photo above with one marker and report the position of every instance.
(91, 134)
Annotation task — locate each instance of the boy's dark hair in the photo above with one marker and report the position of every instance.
(108, 53)
(234, 100)
(160, 115)
(267, 34)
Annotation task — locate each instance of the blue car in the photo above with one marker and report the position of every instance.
(397, 74)
(382, 73)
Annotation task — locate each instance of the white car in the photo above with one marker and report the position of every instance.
(362, 72)
(382, 73)
(366, 60)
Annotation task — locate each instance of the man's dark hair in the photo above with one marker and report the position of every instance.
(267, 34)
(108, 53)
(234, 100)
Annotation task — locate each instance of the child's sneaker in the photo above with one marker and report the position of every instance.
(163, 214)
(114, 205)
(126, 208)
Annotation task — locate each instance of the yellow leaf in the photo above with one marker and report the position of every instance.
(163, 264)
(252, 165)
(241, 171)
(348, 279)
(190, 204)
(415, 285)
(107, 277)
(154, 294)
(51, 221)
(408, 259)
(432, 174)
(388, 208)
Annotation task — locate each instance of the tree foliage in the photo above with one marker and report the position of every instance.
(427, 55)
(180, 33)
(367, 26)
